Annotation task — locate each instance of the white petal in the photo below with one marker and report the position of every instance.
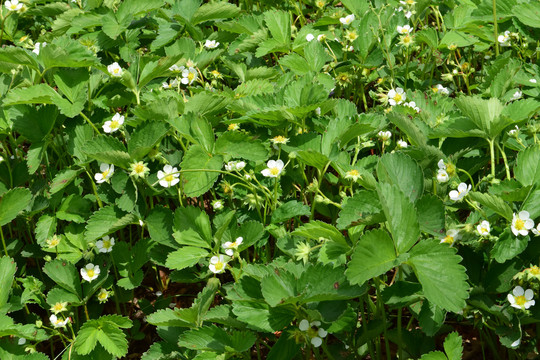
(518, 291)
(316, 341)
(523, 215)
(304, 325)
(529, 294)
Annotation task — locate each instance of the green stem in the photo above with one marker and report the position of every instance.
(94, 189)
(505, 160)
(495, 27)
(90, 122)
(492, 155)
(3, 241)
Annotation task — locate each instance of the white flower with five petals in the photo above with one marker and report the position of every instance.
(13, 5)
(115, 70)
(274, 168)
(114, 124)
(168, 177)
(521, 299)
(231, 247)
(347, 20)
(106, 173)
(396, 96)
(218, 263)
(314, 331)
(90, 272)
(462, 190)
(521, 223)
(483, 228)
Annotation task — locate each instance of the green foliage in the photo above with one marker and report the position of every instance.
(12, 203)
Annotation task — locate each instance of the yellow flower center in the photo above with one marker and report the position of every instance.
(116, 70)
(13, 7)
(450, 169)
(353, 173)
(320, 4)
(535, 270)
(448, 239)
(274, 171)
(219, 266)
(351, 35)
(54, 241)
(90, 273)
(484, 230)
(407, 39)
(398, 97)
(519, 224)
(102, 295)
(410, 2)
(58, 307)
(169, 178)
(106, 244)
(139, 168)
(191, 76)
(279, 139)
(105, 174)
(232, 127)
(115, 124)
(520, 300)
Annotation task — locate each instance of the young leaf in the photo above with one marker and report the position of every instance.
(494, 203)
(241, 145)
(484, 113)
(160, 225)
(400, 215)
(8, 268)
(199, 180)
(527, 169)
(185, 257)
(373, 255)
(216, 10)
(105, 221)
(145, 138)
(364, 208)
(443, 279)
(64, 274)
(107, 149)
(192, 227)
(279, 287)
(12, 203)
(279, 24)
(401, 170)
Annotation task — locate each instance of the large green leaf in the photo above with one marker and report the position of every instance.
(105, 221)
(431, 216)
(145, 138)
(8, 268)
(64, 274)
(213, 338)
(203, 172)
(11, 57)
(279, 24)
(364, 208)
(35, 124)
(107, 149)
(192, 227)
(443, 278)
(241, 145)
(528, 13)
(493, 202)
(508, 246)
(400, 215)
(12, 203)
(484, 113)
(279, 287)
(185, 257)
(316, 230)
(401, 170)
(160, 225)
(215, 10)
(262, 317)
(326, 283)
(373, 255)
(289, 210)
(527, 169)
(66, 52)
(105, 330)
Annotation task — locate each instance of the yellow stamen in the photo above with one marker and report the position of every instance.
(520, 300)
(519, 224)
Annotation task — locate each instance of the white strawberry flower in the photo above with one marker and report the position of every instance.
(274, 168)
(139, 169)
(115, 70)
(347, 20)
(170, 85)
(521, 299)
(536, 231)
(310, 37)
(384, 135)
(106, 173)
(105, 245)
(38, 46)
(521, 223)
(218, 263)
(168, 177)
(211, 44)
(396, 96)
(442, 176)
(517, 95)
(402, 144)
(314, 331)
(452, 236)
(103, 295)
(189, 76)
(504, 40)
(231, 247)
(440, 89)
(483, 228)
(406, 29)
(176, 69)
(114, 124)
(462, 190)
(56, 322)
(13, 5)
(321, 37)
(90, 272)
(59, 307)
